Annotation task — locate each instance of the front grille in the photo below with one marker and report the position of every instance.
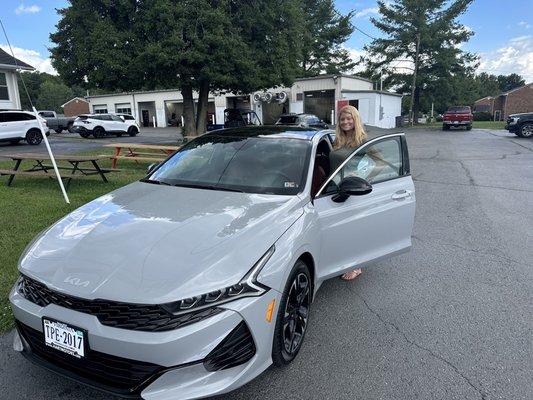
(137, 317)
(120, 375)
(236, 349)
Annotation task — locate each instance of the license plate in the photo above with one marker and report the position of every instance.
(455, 122)
(64, 337)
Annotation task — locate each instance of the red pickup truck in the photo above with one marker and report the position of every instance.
(457, 116)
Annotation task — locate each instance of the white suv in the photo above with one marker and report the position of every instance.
(100, 125)
(21, 125)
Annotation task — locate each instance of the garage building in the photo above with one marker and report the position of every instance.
(321, 95)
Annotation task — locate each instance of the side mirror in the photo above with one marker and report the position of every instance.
(151, 167)
(352, 186)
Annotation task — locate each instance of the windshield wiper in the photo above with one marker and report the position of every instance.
(153, 181)
(209, 187)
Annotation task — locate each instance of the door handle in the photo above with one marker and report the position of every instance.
(401, 194)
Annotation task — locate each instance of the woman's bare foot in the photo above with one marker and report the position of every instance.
(348, 276)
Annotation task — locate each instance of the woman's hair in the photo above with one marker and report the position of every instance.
(352, 138)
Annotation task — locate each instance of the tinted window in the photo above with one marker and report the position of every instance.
(14, 117)
(46, 114)
(116, 118)
(288, 119)
(378, 162)
(253, 165)
(459, 110)
(127, 117)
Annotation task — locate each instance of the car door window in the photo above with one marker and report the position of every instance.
(378, 162)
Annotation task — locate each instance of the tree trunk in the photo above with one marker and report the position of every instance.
(416, 105)
(189, 128)
(201, 113)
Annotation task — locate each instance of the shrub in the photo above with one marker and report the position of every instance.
(482, 116)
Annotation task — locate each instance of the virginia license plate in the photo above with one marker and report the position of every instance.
(65, 338)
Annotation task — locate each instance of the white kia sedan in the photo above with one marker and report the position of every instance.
(194, 280)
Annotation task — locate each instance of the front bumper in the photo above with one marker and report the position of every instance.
(513, 128)
(154, 365)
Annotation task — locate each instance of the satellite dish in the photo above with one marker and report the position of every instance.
(281, 97)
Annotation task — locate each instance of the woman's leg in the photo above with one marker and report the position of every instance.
(348, 276)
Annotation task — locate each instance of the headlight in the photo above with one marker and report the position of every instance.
(247, 287)
(513, 120)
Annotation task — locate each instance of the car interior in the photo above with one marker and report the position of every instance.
(321, 170)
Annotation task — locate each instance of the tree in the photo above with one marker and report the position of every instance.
(325, 30)
(426, 33)
(196, 45)
(510, 82)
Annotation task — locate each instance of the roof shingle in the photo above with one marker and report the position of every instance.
(7, 59)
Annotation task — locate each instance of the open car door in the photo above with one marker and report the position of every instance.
(365, 226)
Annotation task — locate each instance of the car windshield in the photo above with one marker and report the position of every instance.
(459, 110)
(269, 165)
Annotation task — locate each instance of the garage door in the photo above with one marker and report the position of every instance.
(320, 103)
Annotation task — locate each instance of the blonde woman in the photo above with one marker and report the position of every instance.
(349, 134)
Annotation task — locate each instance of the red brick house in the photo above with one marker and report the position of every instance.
(519, 100)
(75, 107)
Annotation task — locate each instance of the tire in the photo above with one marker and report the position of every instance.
(294, 307)
(69, 127)
(98, 132)
(469, 127)
(34, 137)
(526, 130)
(84, 135)
(132, 131)
(445, 127)
(58, 130)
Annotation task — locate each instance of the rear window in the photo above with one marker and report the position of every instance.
(46, 114)
(16, 116)
(459, 110)
(288, 119)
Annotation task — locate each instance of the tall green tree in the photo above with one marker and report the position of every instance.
(197, 45)
(426, 33)
(510, 82)
(325, 31)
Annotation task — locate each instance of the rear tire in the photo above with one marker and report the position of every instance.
(132, 131)
(445, 127)
(34, 137)
(293, 315)
(469, 127)
(526, 130)
(98, 132)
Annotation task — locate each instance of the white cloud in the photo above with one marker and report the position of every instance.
(22, 9)
(515, 57)
(366, 11)
(31, 57)
(524, 24)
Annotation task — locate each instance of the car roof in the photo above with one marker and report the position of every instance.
(280, 131)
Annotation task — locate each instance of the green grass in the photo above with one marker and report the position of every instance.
(33, 203)
(475, 125)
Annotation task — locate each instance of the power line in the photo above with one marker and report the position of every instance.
(364, 33)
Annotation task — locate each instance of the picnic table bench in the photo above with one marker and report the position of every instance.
(140, 152)
(40, 168)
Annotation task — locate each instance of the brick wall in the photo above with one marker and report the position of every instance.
(486, 104)
(520, 101)
(75, 108)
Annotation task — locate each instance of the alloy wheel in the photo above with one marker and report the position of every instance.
(296, 314)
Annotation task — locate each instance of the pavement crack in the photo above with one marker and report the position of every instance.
(467, 172)
(425, 349)
(521, 145)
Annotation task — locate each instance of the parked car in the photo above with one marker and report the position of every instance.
(235, 117)
(21, 125)
(520, 124)
(192, 281)
(58, 124)
(457, 116)
(100, 125)
(302, 120)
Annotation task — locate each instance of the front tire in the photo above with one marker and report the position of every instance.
(469, 127)
(34, 137)
(293, 315)
(98, 132)
(445, 127)
(58, 130)
(526, 130)
(132, 131)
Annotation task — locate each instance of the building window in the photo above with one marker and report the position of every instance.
(299, 96)
(4, 92)
(100, 109)
(124, 108)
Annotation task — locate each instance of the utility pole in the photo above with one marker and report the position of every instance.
(411, 114)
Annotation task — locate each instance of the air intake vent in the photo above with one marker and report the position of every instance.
(236, 349)
(137, 317)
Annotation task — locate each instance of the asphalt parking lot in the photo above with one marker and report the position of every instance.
(449, 320)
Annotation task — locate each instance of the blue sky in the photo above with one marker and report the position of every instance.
(503, 37)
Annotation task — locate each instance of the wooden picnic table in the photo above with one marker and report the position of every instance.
(141, 152)
(40, 168)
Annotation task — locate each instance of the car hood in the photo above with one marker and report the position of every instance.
(154, 244)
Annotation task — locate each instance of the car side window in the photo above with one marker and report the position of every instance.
(376, 163)
(116, 118)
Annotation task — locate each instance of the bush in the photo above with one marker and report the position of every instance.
(482, 116)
